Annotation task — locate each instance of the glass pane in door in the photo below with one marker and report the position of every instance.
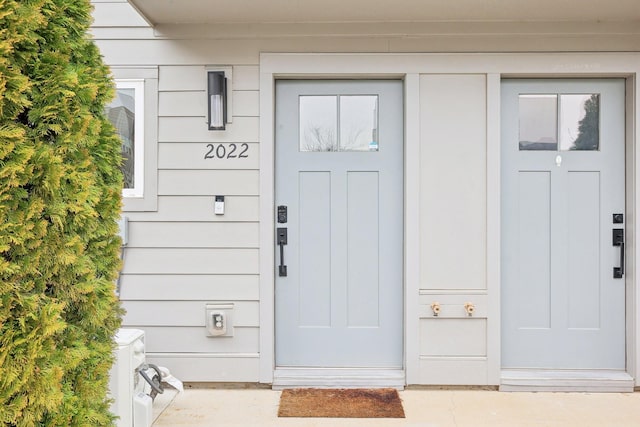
(359, 123)
(580, 122)
(318, 123)
(538, 118)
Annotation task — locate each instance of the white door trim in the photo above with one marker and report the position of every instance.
(409, 66)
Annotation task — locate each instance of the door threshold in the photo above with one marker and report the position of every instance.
(287, 377)
(596, 380)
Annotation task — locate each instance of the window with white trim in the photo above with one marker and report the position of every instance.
(126, 113)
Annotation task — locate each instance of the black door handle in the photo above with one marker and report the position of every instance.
(618, 240)
(281, 241)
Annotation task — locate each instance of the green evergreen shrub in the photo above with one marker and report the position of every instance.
(60, 187)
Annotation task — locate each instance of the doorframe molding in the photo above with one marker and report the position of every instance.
(409, 66)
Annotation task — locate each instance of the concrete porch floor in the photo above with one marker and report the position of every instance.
(425, 408)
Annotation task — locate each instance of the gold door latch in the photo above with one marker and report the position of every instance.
(469, 308)
(435, 307)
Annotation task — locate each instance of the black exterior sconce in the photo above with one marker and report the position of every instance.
(217, 94)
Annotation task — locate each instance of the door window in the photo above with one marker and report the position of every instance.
(580, 121)
(318, 123)
(338, 123)
(572, 119)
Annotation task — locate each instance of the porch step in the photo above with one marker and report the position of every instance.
(566, 380)
(338, 378)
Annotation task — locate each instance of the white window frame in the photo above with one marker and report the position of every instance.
(138, 162)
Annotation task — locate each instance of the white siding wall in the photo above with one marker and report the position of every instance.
(183, 256)
(180, 255)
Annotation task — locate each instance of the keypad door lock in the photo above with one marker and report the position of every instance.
(282, 214)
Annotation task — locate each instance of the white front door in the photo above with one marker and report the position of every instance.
(339, 176)
(563, 193)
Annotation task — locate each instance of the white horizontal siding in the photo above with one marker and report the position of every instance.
(193, 235)
(240, 52)
(123, 34)
(246, 103)
(152, 288)
(198, 367)
(246, 77)
(200, 209)
(194, 340)
(193, 77)
(183, 104)
(208, 182)
(183, 256)
(194, 129)
(191, 261)
(247, 51)
(183, 78)
(194, 103)
(186, 313)
(202, 155)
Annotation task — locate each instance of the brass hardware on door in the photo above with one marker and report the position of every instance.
(435, 307)
(470, 308)
(281, 241)
(618, 240)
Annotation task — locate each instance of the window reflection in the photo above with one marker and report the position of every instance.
(359, 123)
(318, 123)
(538, 122)
(351, 127)
(580, 122)
(121, 113)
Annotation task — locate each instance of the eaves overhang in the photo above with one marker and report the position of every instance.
(167, 12)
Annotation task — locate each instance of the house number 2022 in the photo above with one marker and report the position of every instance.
(227, 151)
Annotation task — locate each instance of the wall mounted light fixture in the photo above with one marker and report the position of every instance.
(217, 97)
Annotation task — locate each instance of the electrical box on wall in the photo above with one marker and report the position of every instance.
(219, 319)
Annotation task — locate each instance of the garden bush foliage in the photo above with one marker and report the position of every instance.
(60, 188)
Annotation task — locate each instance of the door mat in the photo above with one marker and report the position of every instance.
(341, 403)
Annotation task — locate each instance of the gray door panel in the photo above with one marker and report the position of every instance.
(561, 306)
(340, 304)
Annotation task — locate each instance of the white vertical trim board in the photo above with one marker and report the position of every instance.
(267, 197)
(411, 224)
(493, 227)
(632, 226)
